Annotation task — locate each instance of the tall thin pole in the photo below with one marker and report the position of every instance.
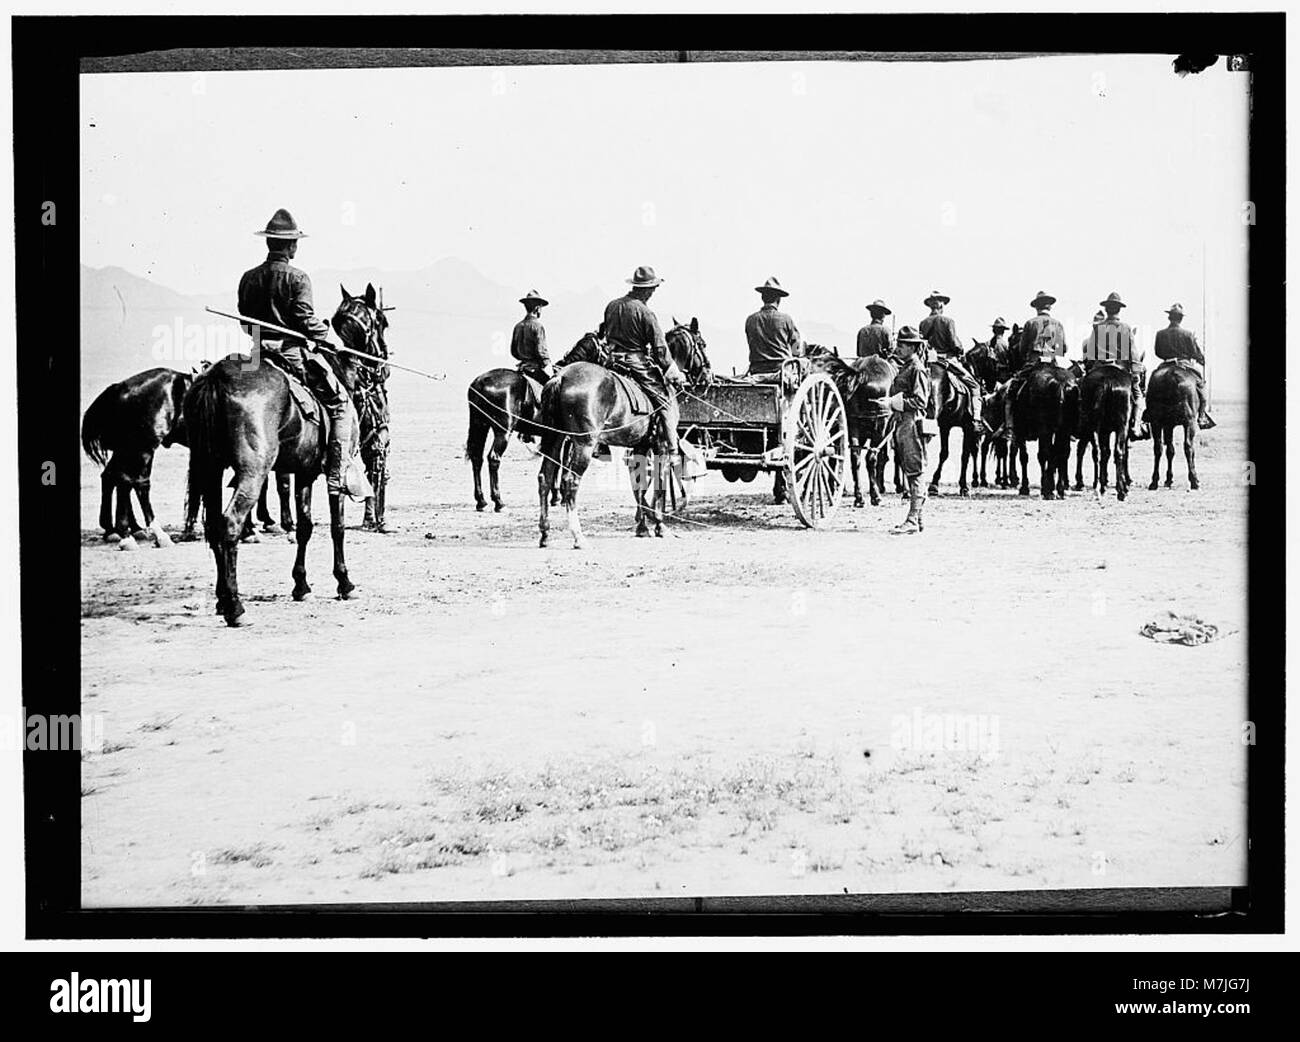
(1205, 329)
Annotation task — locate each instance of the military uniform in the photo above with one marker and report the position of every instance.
(528, 347)
(940, 332)
(638, 348)
(276, 291)
(874, 340)
(773, 337)
(1042, 341)
(909, 395)
(1112, 343)
(1179, 345)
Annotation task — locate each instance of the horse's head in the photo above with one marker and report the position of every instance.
(689, 351)
(591, 347)
(360, 322)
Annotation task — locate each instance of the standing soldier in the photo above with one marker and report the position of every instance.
(1179, 345)
(276, 291)
(1042, 341)
(638, 348)
(873, 339)
(772, 334)
(1113, 342)
(909, 395)
(940, 331)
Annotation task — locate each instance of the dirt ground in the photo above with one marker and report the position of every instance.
(742, 707)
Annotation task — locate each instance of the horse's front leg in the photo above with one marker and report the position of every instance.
(125, 524)
(1169, 457)
(1021, 448)
(1103, 467)
(1155, 450)
(336, 534)
(286, 507)
(302, 491)
(969, 446)
(1078, 462)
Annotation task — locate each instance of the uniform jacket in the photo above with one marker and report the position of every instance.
(772, 337)
(912, 381)
(1042, 340)
(1113, 341)
(1177, 342)
(941, 331)
(276, 291)
(873, 340)
(528, 341)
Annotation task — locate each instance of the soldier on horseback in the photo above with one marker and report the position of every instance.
(528, 340)
(940, 331)
(1179, 345)
(276, 291)
(1042, 341)
(639, 349)
(874, 339)
(1112, 342)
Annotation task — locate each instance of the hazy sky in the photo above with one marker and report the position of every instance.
(848, 181)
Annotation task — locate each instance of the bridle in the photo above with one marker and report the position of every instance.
(367, 320)
(697, 363)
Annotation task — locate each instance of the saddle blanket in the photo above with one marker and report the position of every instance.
(534, 398)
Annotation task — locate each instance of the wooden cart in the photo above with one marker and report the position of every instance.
(796, 426)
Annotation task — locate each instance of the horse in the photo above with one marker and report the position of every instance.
(121, 431)
(500, 404)
(1004, 463)
(241, 414)
(953, 409)
(1172, 401)
(584, 407)
(1105, 407)
(863, 384)
(360, 323)
(1047, 410)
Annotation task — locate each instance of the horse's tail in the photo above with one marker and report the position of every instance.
(477, 422)
(97, 427)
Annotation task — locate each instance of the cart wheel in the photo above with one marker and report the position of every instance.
(815, 439)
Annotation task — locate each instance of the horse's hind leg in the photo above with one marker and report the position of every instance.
(638, 473)
(263, 510)
(286, 508)
(1156, 430)
(1021, 448)
(124, 524)
(855, 461)
(1169, 456)
(1189, 452)
(231, 527)
(576, 466)
(500, 441)
(302, 496)
(474, 443)
(1103, 469)
(106, 483)
(152, 525)
(943, 458)
(1078, 462)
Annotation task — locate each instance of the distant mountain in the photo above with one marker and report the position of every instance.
(447, 318)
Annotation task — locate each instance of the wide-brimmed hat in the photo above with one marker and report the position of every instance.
(772, 286)
(1177, 309)
(999, 324)
(1113, 299)
(908, 335)
(533, 297)
(645, 276)
(1042, 297)
(877, 306)
(282, 226)
(934, 296)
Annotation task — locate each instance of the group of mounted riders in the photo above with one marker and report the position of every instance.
(992, 372)
(619, 387)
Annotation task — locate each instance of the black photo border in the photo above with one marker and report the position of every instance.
(49, 54)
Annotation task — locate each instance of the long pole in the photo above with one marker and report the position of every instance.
(1205, 329)
(324, 343)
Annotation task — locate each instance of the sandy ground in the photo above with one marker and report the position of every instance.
(743, 707)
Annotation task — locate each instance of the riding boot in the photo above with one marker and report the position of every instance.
(1139, 429)
(335, 453)
(912, 524)
(1203, 419)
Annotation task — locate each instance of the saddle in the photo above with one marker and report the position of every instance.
(309, 408)
(639, 401)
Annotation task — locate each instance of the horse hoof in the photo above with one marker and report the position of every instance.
(659, 533)
(112, 537)
(498, 507)
(1195, 485)
(875, 502)
(346, 591)
(964, 493)
(933, 490)
(1153, 487)
(235, 618)
(128, 543)
(642, 533)
(857, 501)
(481, 506)
(1024, 492)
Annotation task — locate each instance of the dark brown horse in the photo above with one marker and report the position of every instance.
(360, 323)
(1172, 401)
(585, 407)
(500, 405)
(240, 414)
(863, 384)
(953, 409)
(1105, 406)
(1047, 411)
(1004, 463)
(121, 431)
